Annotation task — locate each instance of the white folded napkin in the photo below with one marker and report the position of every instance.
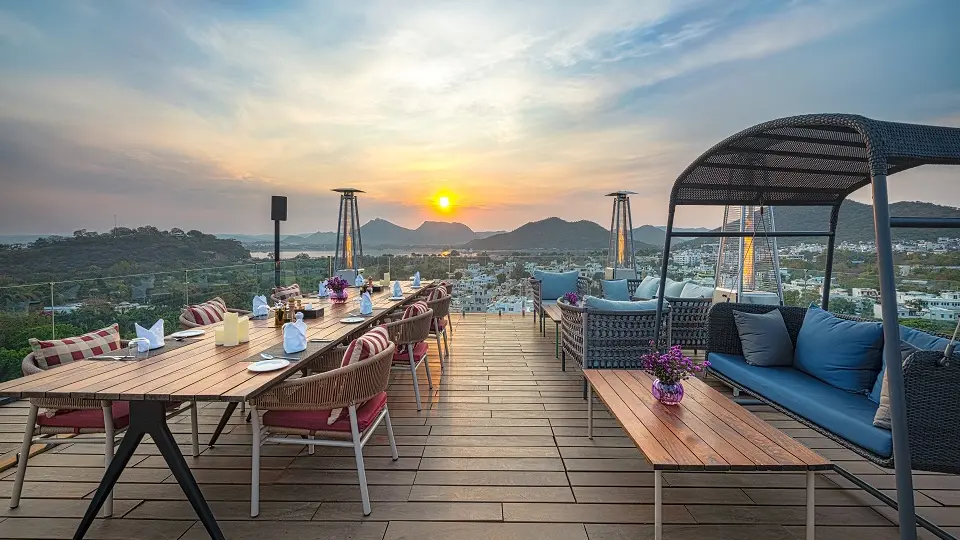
(260, 306)
(397, 289)
(359, 280)
(154, 336)
(366, 304)
(323, 291)
(295, 336)
(416, 279)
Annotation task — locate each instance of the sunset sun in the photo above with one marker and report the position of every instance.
(443, 203)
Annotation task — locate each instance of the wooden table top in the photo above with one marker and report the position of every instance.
(706, 431)
(200, 371)
(552, 311)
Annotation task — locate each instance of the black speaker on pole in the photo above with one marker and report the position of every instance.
(278, 213)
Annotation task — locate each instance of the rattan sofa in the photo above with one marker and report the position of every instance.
(583, 288)
(930, 387)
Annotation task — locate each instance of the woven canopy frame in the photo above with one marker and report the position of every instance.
(819, 160)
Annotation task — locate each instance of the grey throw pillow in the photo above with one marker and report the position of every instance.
(881, 418)
(764, 338)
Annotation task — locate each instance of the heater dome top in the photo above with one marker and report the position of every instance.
(621, 193)
(347, 190)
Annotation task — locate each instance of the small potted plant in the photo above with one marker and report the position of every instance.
(669, 369)
(338, 289)
(572, 298)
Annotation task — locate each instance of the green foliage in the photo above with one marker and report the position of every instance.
(931, 327)
(121, 251)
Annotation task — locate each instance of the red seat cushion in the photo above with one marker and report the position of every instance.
(442, 323)
(86, 418)
(419, 350)
(317, 420)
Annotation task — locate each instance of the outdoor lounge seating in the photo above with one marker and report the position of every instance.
(605, 334)
(80, 416)
(689, 305)
(304, 406)
(547, 287)
(933, 411)
(441, 322)
(410, 334)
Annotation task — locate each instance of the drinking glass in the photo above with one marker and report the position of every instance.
(138, 349)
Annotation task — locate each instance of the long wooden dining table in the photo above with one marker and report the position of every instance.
(199, 371)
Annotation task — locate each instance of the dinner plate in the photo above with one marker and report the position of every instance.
(188, 333)
(353, 320)
(268, 365)
(415, 286)
(396, 298)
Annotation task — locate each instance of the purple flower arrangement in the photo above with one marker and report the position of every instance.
(672, 366)
(572, 298)
(337, 284)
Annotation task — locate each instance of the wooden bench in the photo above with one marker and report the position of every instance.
(552, 311)
(705, 432)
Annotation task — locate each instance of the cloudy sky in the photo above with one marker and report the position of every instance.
(193, 113)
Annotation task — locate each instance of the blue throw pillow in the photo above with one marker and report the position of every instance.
(647, 288)
(602, 304)
(556, 284)
(615, 289)
(844, 354)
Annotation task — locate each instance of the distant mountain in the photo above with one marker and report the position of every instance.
(438, 233)
(19, 238)
(856, 220)
(551, 233)
(655, 235)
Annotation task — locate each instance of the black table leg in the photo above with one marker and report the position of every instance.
(149, 418)
(227, 413)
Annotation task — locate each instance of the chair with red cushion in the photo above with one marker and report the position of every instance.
(341, 407)
(410, 334)
(440, 322)
(78, 416)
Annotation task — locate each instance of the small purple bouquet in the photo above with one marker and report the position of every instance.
(572, 298)
(669, 369)
(671, 366)
(337, 284)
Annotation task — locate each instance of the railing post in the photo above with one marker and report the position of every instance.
(186, 287)
(53, 315)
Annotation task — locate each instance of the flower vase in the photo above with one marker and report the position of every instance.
(339, 297)
(667, 393)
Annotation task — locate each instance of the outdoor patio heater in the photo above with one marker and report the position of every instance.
(748, 266)
(346, 258)
(621, 257)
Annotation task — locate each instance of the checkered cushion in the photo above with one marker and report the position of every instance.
(370, 344)
(281, 294)
(206, 313)
(54, 352)
(417, 308)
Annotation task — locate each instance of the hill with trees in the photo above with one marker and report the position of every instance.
(118, 252)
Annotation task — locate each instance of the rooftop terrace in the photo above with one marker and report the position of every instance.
(500, 452)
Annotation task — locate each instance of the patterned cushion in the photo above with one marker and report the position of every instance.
(417, 308)
(370, 344)
(436, 293)
(317, 420)
(54, 352)
(206, 313)
(219, 302)
(281, 294)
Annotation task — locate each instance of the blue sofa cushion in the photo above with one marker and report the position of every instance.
(849, 416)
(844, 354)
(673, 289)
(553, 285)
(615, 289)
(602, 304)
(692, 290)
(912, 340)
(764, 337)
(647, 288)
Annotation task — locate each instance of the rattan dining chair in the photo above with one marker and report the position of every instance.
(410, 336)
(440, 323)
(303, 407)
(80, 417)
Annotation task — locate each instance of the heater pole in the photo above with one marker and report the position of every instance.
(276, 252)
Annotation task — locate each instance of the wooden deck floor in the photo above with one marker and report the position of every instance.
(500, 454)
